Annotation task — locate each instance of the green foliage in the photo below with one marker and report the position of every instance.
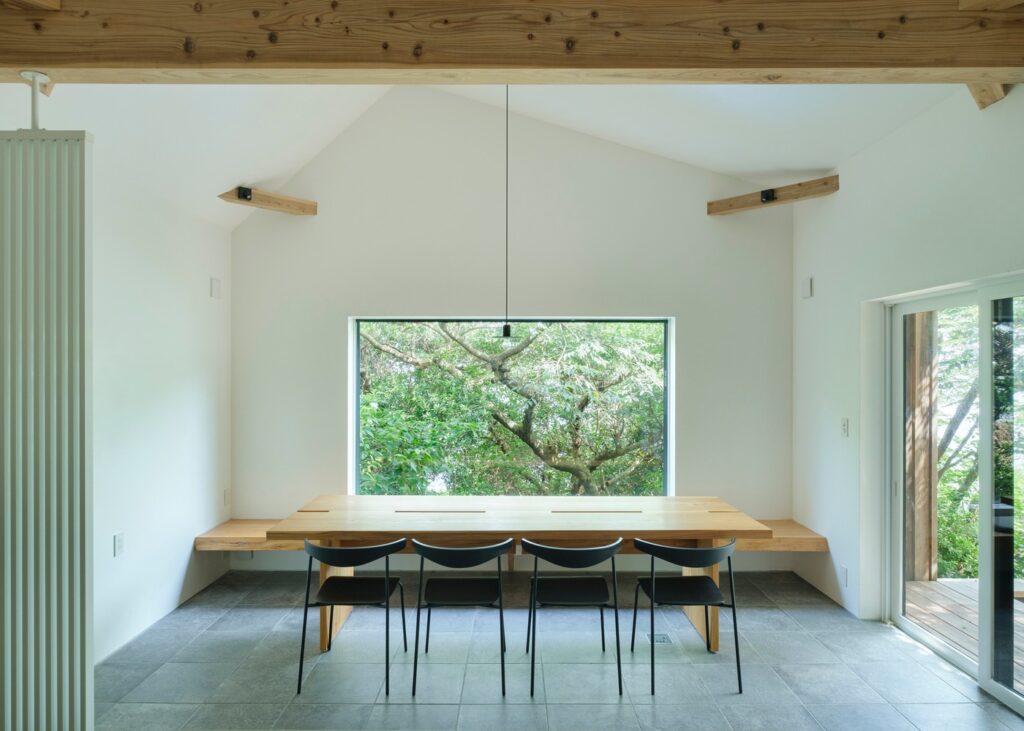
(561, 408)
(957, 370)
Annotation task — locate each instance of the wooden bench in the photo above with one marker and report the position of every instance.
(243, 534)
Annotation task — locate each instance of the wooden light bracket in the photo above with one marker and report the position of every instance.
(775, 196)
(269, 201)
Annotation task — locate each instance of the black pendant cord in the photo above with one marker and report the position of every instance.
(506, 209)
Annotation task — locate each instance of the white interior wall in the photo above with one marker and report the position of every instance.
(411, 224)
(935, 203)
(161, 355)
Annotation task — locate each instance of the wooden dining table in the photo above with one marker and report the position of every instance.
(472, 520)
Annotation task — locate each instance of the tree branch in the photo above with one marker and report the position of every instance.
(408, 359)
(959, 415)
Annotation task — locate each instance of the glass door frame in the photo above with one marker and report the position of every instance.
(983, 297)
(961, 298)
(986, 542)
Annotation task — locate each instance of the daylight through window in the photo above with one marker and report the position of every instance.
(560, 408)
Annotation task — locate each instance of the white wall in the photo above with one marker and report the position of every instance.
(161, 434)
(411, 223)
(935, 203)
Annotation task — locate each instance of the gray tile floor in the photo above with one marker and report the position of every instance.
(228, 659)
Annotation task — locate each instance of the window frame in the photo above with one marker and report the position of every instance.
(668, 365)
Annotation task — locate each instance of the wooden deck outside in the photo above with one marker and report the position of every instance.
(948, 609)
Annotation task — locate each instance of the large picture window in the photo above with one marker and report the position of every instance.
(559, 408)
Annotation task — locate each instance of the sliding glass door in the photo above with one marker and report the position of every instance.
(958, 473)
(937, 420)
(1003, 530)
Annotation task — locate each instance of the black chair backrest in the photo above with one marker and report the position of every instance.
(461, 558)
(355, 556)
(572, 558)
(693, 558)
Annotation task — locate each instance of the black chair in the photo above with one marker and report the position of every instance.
(687, 591)
(355, 590)
(459, 591)
(571, 591)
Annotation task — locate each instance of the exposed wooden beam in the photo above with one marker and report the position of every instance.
(775, 196)
(32, 4)
(516, 41)
(269, 201)
(989, 4)
(985, 95)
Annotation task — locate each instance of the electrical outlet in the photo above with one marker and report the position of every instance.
(844, 576)
(227, 497)
(118, 544)
(844, 426)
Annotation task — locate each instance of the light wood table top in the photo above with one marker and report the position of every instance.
(474, 520)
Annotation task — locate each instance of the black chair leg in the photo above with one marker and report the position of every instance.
(501, 629)
(533, 653)
(401, 599)
(426, 644)
(387, 642)
(529, 619)
(416, 642)
(736, 639)
(302, 650)
(330, 628)
(707, 627)
(636, 599)
(618, 643)
(602, 628)
(652, 645)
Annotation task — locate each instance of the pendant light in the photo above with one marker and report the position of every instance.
(506, 328)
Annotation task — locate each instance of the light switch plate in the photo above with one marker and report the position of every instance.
(844, 426)
(807, 287)
(215, 288)
(118, 544)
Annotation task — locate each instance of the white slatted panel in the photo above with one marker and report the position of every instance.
(45, 415)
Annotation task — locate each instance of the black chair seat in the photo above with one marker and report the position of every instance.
(570, 591)
(352, 590)
(461, 592)
(683, 590)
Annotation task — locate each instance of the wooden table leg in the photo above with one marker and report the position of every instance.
(327, 633)
(696, 614)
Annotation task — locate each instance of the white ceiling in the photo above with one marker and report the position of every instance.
(761, 133)
(187, 144)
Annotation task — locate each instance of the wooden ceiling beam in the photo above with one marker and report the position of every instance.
(269, 201)
(31, 4)
(989, 4)
(985, 95)
(515, 41)
(775, 196)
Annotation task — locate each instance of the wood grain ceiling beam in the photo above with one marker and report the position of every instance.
(269, 201)
(775, 196)
(989, 4)
(515, 41)
(31, 4)
(985, 95)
